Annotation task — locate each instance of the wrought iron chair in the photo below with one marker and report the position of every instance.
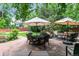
(73, 51)
(46, 37)
(32, 39)
(73, 37)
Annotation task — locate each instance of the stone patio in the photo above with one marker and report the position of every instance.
(20, 47)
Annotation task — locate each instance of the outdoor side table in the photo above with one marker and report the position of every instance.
(68, 43)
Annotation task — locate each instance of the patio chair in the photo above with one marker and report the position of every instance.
(45, 37)
(73, 37)
(41, 40)
(29, 37)
(73, 51)
(32, 39)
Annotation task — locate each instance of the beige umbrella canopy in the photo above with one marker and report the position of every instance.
(67, 21)
(37, 22)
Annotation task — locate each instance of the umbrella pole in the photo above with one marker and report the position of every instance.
(67, 30)
(36, 29)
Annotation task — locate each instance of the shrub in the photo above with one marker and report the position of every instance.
(2, 23)
(36, 28)
(13, 35)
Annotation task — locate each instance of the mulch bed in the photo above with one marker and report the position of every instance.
(9, 30)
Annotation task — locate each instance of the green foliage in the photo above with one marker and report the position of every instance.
(54, 12)
(22, 10)
(13, 35)
(36, 28)
(2, 23)
(49, 11)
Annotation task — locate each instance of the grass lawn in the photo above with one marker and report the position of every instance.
(4, 33)
(8, 38)
(8, 33)
(20, 34)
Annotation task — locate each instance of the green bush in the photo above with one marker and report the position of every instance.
(13, 35)
(36, 28)
(2, 23)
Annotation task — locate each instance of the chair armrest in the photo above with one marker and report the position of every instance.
(70, 50)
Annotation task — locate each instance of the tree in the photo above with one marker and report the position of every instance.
(6, 14)
(2, 23)
(49, 11)
(22, 10)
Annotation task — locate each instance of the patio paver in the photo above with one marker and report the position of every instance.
(20, 47)
(39, 53)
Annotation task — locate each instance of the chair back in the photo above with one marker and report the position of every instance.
(76, 49)
(29, 36)
(46, 37)
(73, 37)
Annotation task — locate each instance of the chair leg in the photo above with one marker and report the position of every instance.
(48, 42)
(44, 46)
(30, 53)
(28, 41)
(49, 45)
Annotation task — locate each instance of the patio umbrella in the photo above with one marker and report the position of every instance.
(37, 22)
(67, 21)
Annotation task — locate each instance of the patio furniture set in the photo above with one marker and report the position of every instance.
(72, 48)
(72, 45)
(70, 36)
(43, 38)
(40, 39)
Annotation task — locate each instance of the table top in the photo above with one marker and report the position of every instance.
(68, 43)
